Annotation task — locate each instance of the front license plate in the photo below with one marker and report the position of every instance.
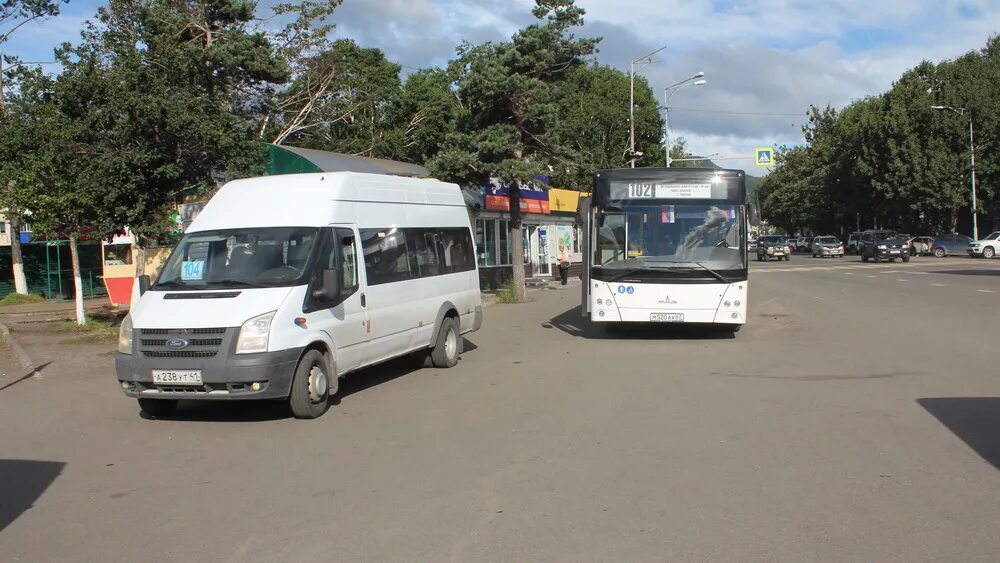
(666, 317)
(894, 252)
(177, 376)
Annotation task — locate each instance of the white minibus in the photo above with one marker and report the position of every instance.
(284, 284)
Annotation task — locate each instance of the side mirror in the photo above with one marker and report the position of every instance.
(754, 214)
(143, 284)
(330, 288)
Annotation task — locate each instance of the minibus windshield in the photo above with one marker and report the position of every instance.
(235, 259)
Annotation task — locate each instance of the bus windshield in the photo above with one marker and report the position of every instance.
(644, 236)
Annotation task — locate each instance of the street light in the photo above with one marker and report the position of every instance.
(972, 152)
(668, 92)
(645, 59)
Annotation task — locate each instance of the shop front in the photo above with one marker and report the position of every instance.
(548, 232)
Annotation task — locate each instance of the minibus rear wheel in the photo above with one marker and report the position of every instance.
(448, 346)
(310, 393)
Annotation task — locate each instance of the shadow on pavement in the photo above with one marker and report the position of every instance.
(573, 323)
(22, 481)
(26, 376)
(976, 420)
(989, 271)
(263, 411)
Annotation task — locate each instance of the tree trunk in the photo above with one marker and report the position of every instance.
(74, 254)
(139, 255)
(516, 244)
(17, 260)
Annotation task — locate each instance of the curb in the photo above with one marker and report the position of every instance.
(22, 355)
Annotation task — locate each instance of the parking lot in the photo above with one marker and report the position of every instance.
(855, 417)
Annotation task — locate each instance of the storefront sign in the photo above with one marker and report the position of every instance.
(533, 200)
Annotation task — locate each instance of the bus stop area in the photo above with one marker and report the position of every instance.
(813, 434)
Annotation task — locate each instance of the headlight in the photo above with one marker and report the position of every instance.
(770, 250)
(254, 333)
(125, 335)
(882, 247)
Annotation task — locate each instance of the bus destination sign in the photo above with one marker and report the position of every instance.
(644, 190)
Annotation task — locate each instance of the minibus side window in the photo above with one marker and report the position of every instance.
(347, 258)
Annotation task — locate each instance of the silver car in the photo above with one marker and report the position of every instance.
(827, 246)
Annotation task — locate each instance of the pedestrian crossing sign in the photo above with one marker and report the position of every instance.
(764, 156)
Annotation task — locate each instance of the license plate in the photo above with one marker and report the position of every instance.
(779, 253)
(177, 376)
(666, 317)
(893, 252)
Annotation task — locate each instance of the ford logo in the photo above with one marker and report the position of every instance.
(177, 344)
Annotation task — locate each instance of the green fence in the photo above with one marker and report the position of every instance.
(49, 271)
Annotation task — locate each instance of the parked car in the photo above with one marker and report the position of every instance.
(951, 243)
(921, 246)
(752, 245)
(802, 244)
(852, 242)
(987, 247)
(883, 245)
(909, 242)
(773, 246)
(827, 246)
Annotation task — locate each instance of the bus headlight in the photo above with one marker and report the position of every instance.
(125, 336)
(254, 333)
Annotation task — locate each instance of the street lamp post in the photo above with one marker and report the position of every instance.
(972, 152)
(667, 93)
(645, 59)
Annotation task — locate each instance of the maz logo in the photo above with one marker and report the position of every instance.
(667, 301)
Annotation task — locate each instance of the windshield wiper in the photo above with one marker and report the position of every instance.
(714, 274)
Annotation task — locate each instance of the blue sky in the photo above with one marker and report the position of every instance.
(767, 57)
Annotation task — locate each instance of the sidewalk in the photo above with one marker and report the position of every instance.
(51, 309)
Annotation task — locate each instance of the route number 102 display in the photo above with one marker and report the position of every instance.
(640, 190)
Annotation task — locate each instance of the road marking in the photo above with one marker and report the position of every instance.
(938, 284)
(872, 276)
(848, 273)
(985, 291)
(901, 280)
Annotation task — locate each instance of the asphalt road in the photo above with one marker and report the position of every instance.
(856, 417)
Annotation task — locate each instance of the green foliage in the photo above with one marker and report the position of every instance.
(510, 92)
(892, 161)
(346, 111)
(149, 92)
(506, 294)
(20, 299)
(593, 122)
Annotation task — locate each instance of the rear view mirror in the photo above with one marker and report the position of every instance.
(143, 284)
(329, 289)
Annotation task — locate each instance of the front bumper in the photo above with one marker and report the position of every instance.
(830, 252)
(226, 376)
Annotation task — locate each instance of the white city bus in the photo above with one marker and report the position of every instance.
(666, 245)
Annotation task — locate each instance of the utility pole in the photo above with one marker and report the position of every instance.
(645, 59)
(972, 151)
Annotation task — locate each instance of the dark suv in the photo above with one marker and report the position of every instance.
(883, 245)
(773, 246)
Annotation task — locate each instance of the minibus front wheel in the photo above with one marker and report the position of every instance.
(311, 386)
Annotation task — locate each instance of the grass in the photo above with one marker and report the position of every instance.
(505, 293)
(20, 299)
(92, 332)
